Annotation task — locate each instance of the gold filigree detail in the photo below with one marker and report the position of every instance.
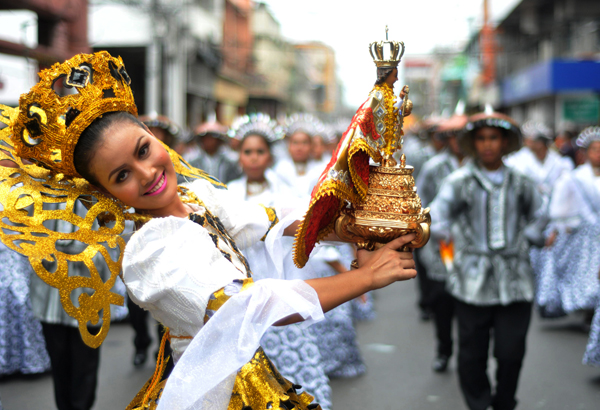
(382, 217)
(30, 195)
(405, 193)
(391, 209)
(48, 125)
(391, 204)
(391, 182)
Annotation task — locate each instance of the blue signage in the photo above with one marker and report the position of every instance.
(551, 77)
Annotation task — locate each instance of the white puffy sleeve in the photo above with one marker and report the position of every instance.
(171, 267)
(565, 204)
(247, 223)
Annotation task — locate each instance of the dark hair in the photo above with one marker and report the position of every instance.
(257, 134)
(92, 137)
(383, 73)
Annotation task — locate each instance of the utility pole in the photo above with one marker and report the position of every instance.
(153, 60)
(487, 43)
(175, 52)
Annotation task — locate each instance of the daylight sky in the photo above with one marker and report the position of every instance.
(349, 26)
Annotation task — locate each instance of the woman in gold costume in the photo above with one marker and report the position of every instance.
(183, 264)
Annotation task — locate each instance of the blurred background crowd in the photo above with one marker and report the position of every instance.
(220, 82)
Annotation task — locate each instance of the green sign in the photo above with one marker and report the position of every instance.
(581, 109)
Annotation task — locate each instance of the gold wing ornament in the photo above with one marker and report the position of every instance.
(30, 197)
(33, 199)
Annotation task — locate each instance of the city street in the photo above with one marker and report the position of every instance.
(397, 349)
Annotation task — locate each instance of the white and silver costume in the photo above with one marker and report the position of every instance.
(493, 243)
(568, 278)
(545, 173)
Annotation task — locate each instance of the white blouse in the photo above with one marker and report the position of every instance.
(171, 268)
(172, 265)
(576, 199)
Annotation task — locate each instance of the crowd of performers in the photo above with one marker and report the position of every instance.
(513, 227)
(261, 161)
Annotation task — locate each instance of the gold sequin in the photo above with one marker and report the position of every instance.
(39, 140)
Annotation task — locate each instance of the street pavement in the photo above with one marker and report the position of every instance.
(398, 350)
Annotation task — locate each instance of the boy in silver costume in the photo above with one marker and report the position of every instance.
(496, 210)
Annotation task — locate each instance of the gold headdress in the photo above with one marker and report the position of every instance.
(44, 130)
(378, 52)
(48, 126)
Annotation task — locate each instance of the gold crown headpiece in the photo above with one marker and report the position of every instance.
(377, 50)
(49, 125)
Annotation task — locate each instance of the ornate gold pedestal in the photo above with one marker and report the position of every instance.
(392, 209)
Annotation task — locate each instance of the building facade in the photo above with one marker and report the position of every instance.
(548, 64)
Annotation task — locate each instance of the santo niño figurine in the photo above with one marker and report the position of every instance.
(383, 200)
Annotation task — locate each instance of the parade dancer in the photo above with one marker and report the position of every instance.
(322, 143)
(213, 156)
(491, 278)
(337, 335)
(434, 145)
(299, 170)
(430, 179)
(545, 166)
(184, 264)
(569, 265)
(293, 349)
(537, 160)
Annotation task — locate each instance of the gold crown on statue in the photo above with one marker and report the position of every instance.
(49, 125)
(377, 50)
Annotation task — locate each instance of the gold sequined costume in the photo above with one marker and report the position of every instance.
(36, 158)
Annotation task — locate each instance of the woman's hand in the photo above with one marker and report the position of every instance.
(386, 265)
(376, 270)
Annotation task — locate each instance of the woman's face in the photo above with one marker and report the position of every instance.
(593, 154)
(454, 146)
(490, 145)
(131, 165)
(300, 147)
(318, 147)
(255, 157)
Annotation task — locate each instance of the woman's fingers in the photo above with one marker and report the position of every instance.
(404, 255)
(408, 274)
(400, 242)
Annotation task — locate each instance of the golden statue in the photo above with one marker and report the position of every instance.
(366, 204)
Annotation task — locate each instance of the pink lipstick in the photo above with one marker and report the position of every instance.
(158, 186)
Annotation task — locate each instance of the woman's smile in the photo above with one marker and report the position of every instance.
(158, 186)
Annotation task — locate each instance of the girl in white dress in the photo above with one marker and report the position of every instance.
(299, 170)
(293, 349)
(570, 263)
(184, 265)
(336, 334)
